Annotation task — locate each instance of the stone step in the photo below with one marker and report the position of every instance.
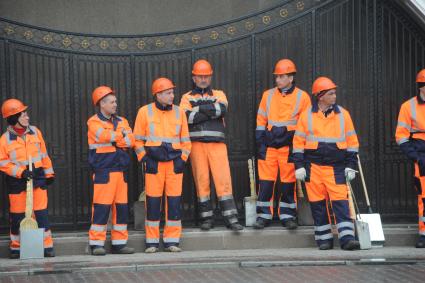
(275, 237)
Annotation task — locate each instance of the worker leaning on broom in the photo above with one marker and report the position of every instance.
(20, 141)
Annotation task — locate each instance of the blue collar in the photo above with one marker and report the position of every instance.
(103, 118)
(163, 108)
(315, 108)
(201, 91)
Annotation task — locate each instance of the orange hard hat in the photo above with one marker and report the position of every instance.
(321, 84)
(284, 66)
(161, 84)
(11, 107)
(100, 92)
(202, 68)
(420, 78)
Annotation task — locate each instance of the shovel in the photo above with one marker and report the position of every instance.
(251, 201)
(362, 227)
(304, 216)
(373, 219)
(31, 237)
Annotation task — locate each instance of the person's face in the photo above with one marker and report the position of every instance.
(24, 119)
(329, 98)
(109, 105)
(165, 97)
(202, 81)
(284, 81)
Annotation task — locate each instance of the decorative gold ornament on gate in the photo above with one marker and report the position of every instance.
(178, 41)
(28, 35)
(300, 5)
(266, 20)
(141, 44)
(104, 44)
(85, 44)
(196, 38)
(122, 45)
(47, 38)
(214, 35)
(249, 25)
(159, 43)
(66, 41)
(9, 30)
(231, 30)
(283, 13)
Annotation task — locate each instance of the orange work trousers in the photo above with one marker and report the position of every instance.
(206, 157)
(168, 182)
(276, 161)
(17, 213)
(323, 183)
(110, 191)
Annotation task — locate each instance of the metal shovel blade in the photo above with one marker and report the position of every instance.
(375, 228)
(250, 211)
(362, 230)
(32, 244)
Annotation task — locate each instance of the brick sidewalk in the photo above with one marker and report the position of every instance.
(364, 273)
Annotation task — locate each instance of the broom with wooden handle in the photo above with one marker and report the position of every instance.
(300, 193)
(350, 201)
(28, 223)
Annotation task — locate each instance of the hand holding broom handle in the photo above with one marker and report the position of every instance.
(350, 201)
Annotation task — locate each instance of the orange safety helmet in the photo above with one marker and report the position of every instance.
(284, 66)
(321, 84)
(161, 84)
(100, 92)
(202, 68)
(11, 107)
(420, 78)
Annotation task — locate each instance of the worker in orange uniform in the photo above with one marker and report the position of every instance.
(325, 151)
(163, 146)
(20, 141)
(410, 136)
(277, 117)
(109, 138)
(205, 109)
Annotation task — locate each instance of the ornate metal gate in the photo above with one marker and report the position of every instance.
(369, 47)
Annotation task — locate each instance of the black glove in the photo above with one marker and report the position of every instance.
(421, 165)
(27, 175)
(50, 181)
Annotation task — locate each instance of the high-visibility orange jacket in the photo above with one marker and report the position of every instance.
(325, 139)
(277, 117)
(108, 140)
(14, 153)
(410, 131)
(161, 133)
(205, 110)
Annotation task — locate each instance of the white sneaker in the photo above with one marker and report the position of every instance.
(173, 249)
(151, 250)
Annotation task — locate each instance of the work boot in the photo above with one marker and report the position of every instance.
(235, 226)
(123, 250)
(207, 225)
(326, 246)
(173, 249)
(351, 245)
(259, 224)
(151, 250)
(49, 253)
(98, 250)
(291, 224)
(14, 255)
(420, 243)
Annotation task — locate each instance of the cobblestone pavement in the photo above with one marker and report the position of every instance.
(343, 273)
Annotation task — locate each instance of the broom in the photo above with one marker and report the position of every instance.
(28, 223)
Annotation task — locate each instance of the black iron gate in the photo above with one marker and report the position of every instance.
(369, 47)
